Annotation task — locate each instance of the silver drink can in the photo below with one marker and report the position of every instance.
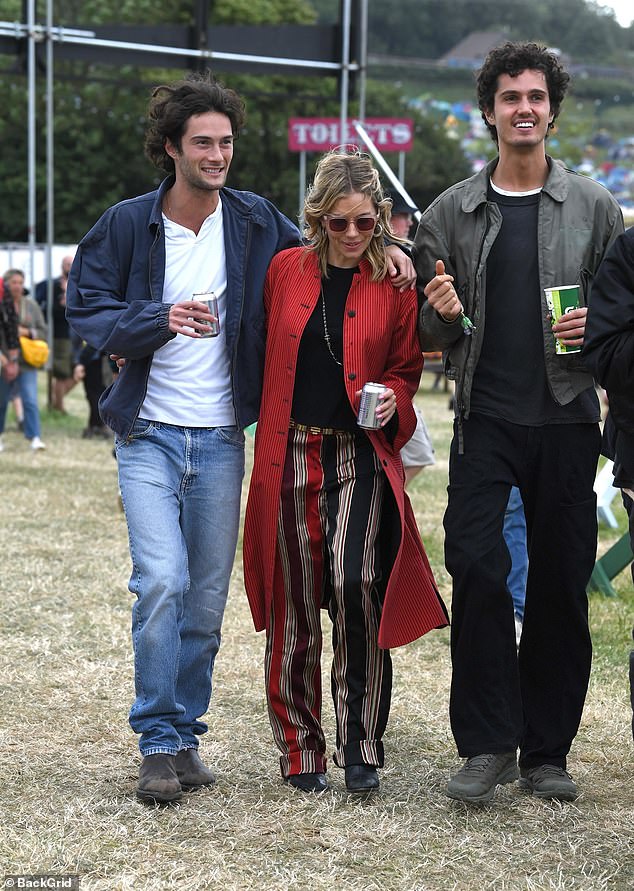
(368, 405)
(211, 302)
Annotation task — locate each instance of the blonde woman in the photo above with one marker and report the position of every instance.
(328, 523)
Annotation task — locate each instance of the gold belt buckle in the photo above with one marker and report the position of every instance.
(314, 431)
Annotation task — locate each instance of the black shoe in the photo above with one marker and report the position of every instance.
(548, 781)
(361, 778)
(158, 780)
(308, 782)
(479, 776)
(191, 771)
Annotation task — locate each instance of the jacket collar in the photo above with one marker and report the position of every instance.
(476, 188)
(156, 218)
(241, 202)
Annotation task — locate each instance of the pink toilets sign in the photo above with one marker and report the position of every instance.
(322, 134)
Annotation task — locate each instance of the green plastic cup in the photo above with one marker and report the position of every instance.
(560, 300)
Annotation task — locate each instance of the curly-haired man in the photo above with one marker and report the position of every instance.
(526, 416)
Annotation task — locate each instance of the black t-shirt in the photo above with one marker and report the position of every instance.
(319, 395)
(61, 328)
(510, 379)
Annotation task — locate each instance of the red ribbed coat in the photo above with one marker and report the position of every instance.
(380, 344)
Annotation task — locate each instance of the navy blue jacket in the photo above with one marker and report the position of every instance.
(115, 292)
(608, 349)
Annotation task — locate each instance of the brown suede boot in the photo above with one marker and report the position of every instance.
(158, 780)
(191, 771)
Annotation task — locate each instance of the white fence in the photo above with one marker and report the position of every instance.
(18, 256)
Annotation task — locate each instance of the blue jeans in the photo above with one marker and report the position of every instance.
(515, 538)
(181, 489)
(26, 387)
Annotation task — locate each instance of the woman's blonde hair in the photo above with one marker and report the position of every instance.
(341, 173)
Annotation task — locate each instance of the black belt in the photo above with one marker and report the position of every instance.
(324, 431)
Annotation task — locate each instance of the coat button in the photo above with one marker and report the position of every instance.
(352, 376)
(352, 313)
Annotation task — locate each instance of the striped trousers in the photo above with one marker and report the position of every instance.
(328, 556)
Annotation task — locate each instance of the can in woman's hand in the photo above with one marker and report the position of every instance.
(368, 405)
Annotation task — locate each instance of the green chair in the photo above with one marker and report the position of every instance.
(610, 565)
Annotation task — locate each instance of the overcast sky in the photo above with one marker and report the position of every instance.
(623, 9)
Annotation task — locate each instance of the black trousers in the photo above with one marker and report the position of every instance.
(629, 507)
(94, 385)
(502, 700)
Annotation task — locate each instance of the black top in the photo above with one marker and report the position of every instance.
(61, 328)
(8, 325)
(319, 396)
(510, 380)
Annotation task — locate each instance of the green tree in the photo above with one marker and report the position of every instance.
(429, 28)
(100, 122)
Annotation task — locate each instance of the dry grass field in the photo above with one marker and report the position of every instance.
(69, 760)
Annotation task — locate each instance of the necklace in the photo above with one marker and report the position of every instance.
(326, 332)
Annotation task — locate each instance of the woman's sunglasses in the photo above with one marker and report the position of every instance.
(341, 224)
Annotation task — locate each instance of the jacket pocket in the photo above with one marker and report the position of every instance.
(140, 429)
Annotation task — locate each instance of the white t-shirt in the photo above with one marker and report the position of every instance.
(190, 379)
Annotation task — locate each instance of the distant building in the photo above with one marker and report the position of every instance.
(471, 51)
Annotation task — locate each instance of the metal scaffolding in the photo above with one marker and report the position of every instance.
(62, 40)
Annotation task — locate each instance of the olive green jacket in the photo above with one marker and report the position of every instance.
(577, 221)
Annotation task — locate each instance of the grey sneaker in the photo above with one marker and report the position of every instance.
(479, 776)
(548, 781)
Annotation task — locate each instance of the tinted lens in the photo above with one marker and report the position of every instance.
(364, 224)
(340, 224)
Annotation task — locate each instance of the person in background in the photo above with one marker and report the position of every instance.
(30, 324)
(526, 416)
(90, 371)
(64, 346)
(515, 538)
(16, 403)
(402, 216)
(418, 451)
(10, 372)
(608, 350)
(179, 404)
(328, 524)
(9, 350)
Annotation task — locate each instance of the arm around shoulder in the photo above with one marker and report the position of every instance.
(608, 348)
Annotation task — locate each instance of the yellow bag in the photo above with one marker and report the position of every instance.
(34, 352)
